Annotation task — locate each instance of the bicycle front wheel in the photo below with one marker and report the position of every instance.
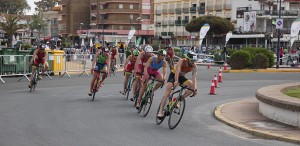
(95, 88)
(128, 88)
(176, 113)
(147, 103)
(159, 121)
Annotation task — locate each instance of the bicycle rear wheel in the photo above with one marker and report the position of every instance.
(95, 88)
(176, 113)
(147, 103)
(159, 121)
(128, 88)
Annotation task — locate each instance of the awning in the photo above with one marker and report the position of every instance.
(248, 36)
(93, 15)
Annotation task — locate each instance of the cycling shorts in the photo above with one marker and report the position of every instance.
(38, 61)
(181, 79)
(151, 72)
(100, 66)
(129, 68)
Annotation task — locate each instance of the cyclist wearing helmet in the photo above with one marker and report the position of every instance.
(129, 66)
(114, 53)
(184, 66)
(151, 69)
(102, 61)
(40, 56)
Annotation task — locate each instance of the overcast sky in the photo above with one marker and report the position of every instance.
(32, 5)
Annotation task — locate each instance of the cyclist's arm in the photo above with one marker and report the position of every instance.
(164, 70)
(117, 52)
(147, 65)
(178, 68)
(108, 62)
(127, 60)
(137, 62)
(33, 57)
(94, 60)
(46, 56)
(194, 74)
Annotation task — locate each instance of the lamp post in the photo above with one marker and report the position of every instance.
(278, 40)
(139, 19)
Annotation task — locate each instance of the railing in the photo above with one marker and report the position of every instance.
(186, 10)
(193, 9)
(171, 11)
(178, 10)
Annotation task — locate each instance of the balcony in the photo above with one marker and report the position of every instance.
(186, 10)
(276, 13)
(201, 8)
(171, 11)
(209, 8)
(184, 22)
(167, 33)
(178, 10)
(117, 21)
(164, 23)
(158, 12)
(193, 9)
(178, 22)
(105, 11)
(171, 22)
(227, 6)
(164, 11)
(218, 7)
(123, 1)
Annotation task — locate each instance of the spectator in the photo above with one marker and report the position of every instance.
(121, 53)
(281, 53)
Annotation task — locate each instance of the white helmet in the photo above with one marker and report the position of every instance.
(148, 48)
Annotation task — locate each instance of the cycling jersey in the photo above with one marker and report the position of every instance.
(39, 57)
(154, 65)
(170, 53)
(185, 68)
(102, 59)
(113, 53)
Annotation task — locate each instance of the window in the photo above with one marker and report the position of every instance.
(131, 6)
(262, 7)
(120, 6)
(145, 16)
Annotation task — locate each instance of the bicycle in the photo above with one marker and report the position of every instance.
(112, 67)
(96, 84)
(148, 97)
(129, 85)
(176, 106)
(35, 77)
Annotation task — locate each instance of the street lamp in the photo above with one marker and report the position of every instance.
(278, 40)
(139, 19)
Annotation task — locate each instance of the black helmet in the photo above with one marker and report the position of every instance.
(42, 46)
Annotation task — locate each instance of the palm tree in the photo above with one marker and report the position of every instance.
(10, 27)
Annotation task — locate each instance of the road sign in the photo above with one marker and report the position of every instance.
(279, 23)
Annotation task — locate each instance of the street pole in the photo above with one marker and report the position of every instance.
(102, 30)
(278, 40)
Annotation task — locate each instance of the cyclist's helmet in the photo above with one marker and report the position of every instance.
(106, 49)
(161, 52)
(191, 56)
(42, 47)
(136, 52)
(148, 48)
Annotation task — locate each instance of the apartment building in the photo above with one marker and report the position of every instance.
(113, 19)
(171, 16)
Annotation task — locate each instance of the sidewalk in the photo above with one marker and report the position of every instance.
(244, 115)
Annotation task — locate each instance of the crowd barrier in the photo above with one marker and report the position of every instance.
(59, 64)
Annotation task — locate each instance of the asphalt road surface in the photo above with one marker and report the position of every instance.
(59, 113)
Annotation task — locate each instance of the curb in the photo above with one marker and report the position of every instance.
(259, 133)
(261, 70)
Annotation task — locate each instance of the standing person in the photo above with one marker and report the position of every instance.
(102, 61)
(121, 54)
(281, 53)
(40, 56)
(184, 66)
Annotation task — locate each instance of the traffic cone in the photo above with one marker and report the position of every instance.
(208, 66)
(220, 79)
(216, 81)
(220, 71)
(212, 88)
(225, 66)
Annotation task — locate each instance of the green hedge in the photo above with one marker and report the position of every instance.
(254, 51)
(240, 60)
(260, 61)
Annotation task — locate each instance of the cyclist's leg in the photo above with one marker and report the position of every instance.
(158, 76)
(104, 75)
(34, 68)
(188, 83)
(127, 74)
(96, 74)
(164, 99)
(45, 65)
(142, 90)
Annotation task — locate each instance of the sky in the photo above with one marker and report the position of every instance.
(32, 5)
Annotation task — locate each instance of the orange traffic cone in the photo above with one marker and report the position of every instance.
(225, 66)
(220, 71)
(208, 66)
(216, 81)
(220, 79)
(212, 88)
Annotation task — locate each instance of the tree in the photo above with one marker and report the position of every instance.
(13, 6)
(45, 5)
(10, 27)
(36, 23)
(218, 25)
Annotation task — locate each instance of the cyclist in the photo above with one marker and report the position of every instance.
(140, 64)
(40, 56)
(102, 61)
(114, 53)
(184, 66)
(129, 66)
(151, 69)
(170, 57)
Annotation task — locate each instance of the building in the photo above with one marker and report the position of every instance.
(171, 16)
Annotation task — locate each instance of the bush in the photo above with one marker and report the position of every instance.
(240, 60)
(260, 61)
(218, 57)
(26, 46)
(230, 51)
(267, 53)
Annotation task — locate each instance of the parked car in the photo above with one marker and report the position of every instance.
(208, 60)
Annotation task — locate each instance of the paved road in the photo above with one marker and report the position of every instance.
(59, 113)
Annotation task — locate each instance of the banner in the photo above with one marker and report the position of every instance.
(249, 21)
(228, 36)
(295, 31)
(131, 33)
(203, 31)
(138, 42)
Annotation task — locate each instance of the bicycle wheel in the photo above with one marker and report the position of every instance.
(176, 113)
(95, 88)
(159, 121)
(128, 88)
(147, 103)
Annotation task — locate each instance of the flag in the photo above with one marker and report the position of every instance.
(228, 36)
(294, 31)
(204, 29)
(138, 42)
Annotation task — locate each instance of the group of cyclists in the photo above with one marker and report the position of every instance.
(143, 64)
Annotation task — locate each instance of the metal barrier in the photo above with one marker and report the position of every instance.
(11, 65)
(76, 63)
